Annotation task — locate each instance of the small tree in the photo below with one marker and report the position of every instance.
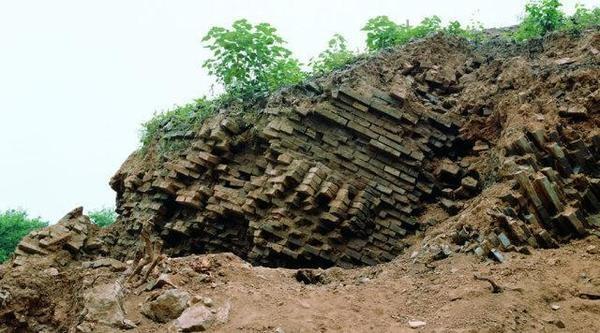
(103, 217)
(335, 56)
(250, 59)
(381, 33)
(541, 16)
(426, 27)
(14, 225)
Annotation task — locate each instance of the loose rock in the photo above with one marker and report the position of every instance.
(103, 305)
(416, 323)
(200, 318)
(166, 306)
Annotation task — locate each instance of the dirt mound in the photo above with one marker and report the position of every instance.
(442, 166)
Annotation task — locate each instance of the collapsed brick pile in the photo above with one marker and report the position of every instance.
(337, 180)
(74, 234)
(339, 170)
(556, 196)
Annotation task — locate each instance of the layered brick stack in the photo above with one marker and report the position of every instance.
(557, 196)
(334, 182)
(74, 234)
(336, 171)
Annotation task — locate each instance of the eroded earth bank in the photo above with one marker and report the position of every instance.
(439, 187)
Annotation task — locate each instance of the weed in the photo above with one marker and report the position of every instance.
(167, 128)
(335, 56)
(383, 33)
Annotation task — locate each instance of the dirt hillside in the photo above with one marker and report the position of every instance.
(438, 187)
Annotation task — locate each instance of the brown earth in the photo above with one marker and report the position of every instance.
(419, 178)
(541, 292)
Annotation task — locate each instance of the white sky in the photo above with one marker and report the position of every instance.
(77, 78)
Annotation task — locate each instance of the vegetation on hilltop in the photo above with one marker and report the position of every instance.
(103, 217)
(336, 55)
(384, 33)
(250, 61)
(543, 16)
(178, 121)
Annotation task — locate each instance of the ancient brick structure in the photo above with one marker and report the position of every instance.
(556, 195)
(338, 181)
(337, 171)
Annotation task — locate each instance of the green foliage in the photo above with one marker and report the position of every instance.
(14, 225)
(541, 16)
(381, 33)
(428, 26)
(384, 33)
(335, 56)
(175, 122)
(103, 217)
(583, 18)
(471, 32)
(250, 60)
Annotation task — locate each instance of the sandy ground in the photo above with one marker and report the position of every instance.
(548, 291)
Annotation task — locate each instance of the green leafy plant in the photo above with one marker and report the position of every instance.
(384, 33)
(381, 33)
(583, 18)
(14, 225)
(335, 56)
(250, 60)
(471, 32)
(103, 217)
(426, 27)
(541, 16)
(176, 122)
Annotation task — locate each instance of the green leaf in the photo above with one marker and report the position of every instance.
(249, 59)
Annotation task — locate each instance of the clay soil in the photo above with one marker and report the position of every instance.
(385, 298)
(546, 291)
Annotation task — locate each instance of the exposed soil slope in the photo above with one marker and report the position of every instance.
(465, 178)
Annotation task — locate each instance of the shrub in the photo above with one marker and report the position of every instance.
(583, 18)
(335, 56)
(14, 225)
(250, 60)
(384, 33)
(103, 217)
(176, 121)
(471, 32)
(428, 26)
(541, 16)
(381, 33)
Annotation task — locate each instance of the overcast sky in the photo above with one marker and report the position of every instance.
(77, 78)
